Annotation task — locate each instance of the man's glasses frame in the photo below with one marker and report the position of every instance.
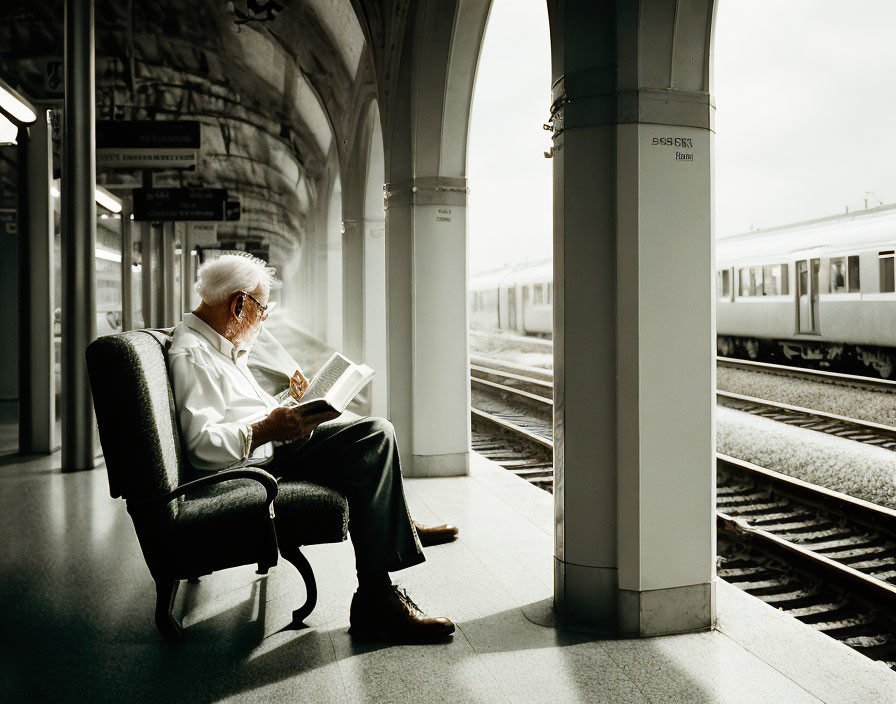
(262, 308)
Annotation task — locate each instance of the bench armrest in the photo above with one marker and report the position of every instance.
(264, 478)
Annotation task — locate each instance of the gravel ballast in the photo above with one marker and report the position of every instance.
(863, 471)
(861, 403)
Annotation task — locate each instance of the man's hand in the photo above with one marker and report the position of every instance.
(287, 424)
(298, 385)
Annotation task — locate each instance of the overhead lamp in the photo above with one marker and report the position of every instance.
(15, 107)
(107, 200)
(9, 131)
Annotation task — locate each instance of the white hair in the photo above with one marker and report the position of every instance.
(229, 273)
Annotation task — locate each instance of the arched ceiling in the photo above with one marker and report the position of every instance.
(271, 81)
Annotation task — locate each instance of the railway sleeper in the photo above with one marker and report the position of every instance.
(822, 607)
(858, 553)
(803, 538)
(794, 596)
(849, 541)
(762, 508)
(762, 519)
(796, 528)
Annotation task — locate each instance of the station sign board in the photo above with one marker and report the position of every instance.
(147, 144)
(179, 204)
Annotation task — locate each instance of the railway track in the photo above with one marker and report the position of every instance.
(512, 420)
(823, 557)
(852, 380)
(852, 428)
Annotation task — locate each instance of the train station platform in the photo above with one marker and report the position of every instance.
(78, 618)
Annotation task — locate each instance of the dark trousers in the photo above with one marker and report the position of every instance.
(358, 457)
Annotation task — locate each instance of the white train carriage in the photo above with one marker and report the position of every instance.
(517, 299)
(821, 291)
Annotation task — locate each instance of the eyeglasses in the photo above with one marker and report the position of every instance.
(263, 309)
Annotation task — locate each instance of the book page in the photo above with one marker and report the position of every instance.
(325, 379)
(342, 393)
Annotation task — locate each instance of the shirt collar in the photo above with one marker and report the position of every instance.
(219, 342)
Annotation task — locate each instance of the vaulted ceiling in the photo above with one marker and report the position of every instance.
(271, 81)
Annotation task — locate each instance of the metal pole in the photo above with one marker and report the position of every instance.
(166, 268)
(186, 269)
(79, 235)
(148, 252)
(37, 392)
(127, 261)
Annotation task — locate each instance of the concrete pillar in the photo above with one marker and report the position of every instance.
(353, 284)
(78, 236)
(375, 339)
(334, 326)
(426, 263)
(634, 318)
(37, 392)
(426, 123)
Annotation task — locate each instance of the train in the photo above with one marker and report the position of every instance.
(818, 293)
(517, 298)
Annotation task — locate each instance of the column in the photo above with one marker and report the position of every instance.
(375, 340)
(353, 285)
(127, 263)
(78, 236)
(634, 334)
(149, 255)
(167, 263)
(37, 392)
(186, 271)
(426, 271)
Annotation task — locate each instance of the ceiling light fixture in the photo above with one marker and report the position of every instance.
(15, 107)
(107, 200)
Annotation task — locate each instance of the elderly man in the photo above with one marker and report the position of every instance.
(228, 420)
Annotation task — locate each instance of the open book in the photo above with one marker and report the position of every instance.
(334, 386)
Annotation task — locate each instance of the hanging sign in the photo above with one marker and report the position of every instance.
(147, 144)
(179, 204)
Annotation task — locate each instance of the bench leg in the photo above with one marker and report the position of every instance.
(166, 589)
(301, 563)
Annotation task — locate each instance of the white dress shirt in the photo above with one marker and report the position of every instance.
(216, 397)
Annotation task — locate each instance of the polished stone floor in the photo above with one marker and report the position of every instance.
(78, 619)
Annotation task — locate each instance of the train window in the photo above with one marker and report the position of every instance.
(887, 278)
(724, 283)
(838, 275)
(747, 282)
(767, 280)
(550, 294)
(844, 274)
(774, 280)
(538, 293)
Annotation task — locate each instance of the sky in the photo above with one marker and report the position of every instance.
(805, 107)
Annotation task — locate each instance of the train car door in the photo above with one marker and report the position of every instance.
(511, 307)
(807, 321)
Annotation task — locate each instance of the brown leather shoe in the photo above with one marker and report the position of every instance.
(435, 535)
(388, 612)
